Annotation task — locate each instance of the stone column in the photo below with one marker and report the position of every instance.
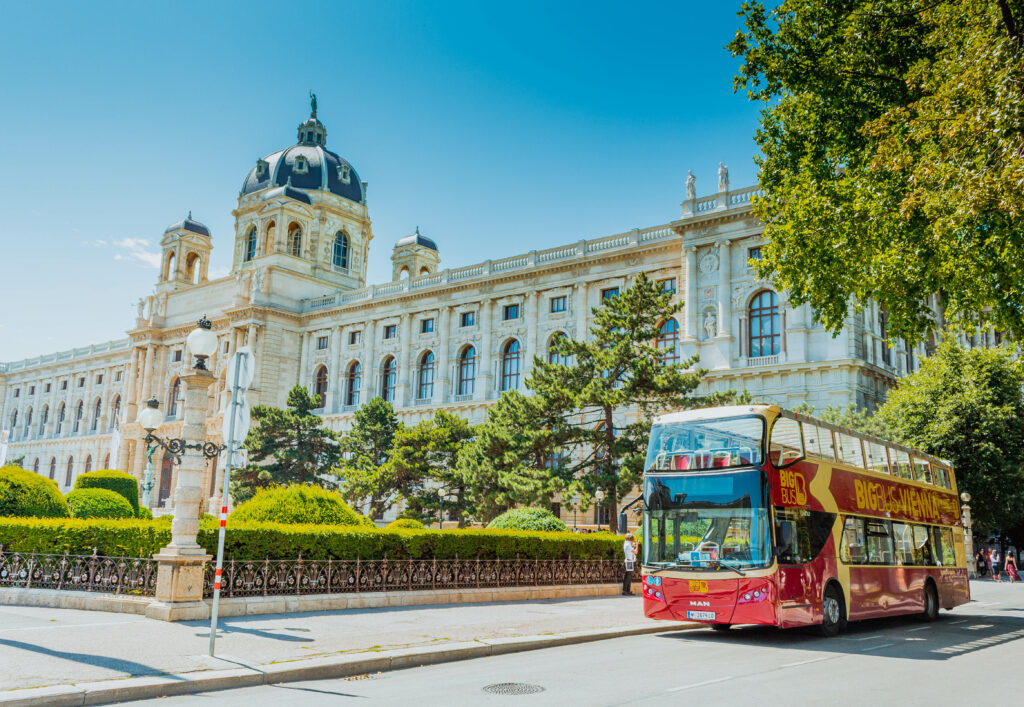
(442, 384)
(147, 374)
(484, 379)
(582, 310)
(369, 364)
(531, 334)
(724, 289)
(691, 292)
(179, 584)
(404, 392)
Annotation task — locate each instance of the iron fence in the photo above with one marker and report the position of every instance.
(298, 577)
(84, 573)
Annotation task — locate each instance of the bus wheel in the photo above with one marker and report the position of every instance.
(931, 603)
(833, 618)
(721, 627)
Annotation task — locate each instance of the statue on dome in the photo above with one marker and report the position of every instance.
(723, 177)
(312, 103)
(140, 306)
(691, 185)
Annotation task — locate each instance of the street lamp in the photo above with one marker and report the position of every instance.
(202, 343)
(599, 495)
(968, 534)
(440, 507)
(149, 419)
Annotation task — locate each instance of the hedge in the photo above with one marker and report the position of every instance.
(26, 494)
(299, 504)
(405, 523)
(112, 480)
(99, 503)
(528, 518)
(256, 541)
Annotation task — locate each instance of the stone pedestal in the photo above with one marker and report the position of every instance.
(179, 585)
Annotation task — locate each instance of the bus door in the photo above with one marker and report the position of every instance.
(800, 536)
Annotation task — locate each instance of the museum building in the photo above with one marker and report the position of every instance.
(432, 338)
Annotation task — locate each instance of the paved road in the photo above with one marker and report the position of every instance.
(969, 655)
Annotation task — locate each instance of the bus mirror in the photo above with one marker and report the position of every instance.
(622, 523)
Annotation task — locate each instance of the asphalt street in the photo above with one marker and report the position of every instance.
(969, 655)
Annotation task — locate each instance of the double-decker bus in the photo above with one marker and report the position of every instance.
(758, 515)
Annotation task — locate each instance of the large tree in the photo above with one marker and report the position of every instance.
(892, 141)
(513, 461)
(287, 446)
(366, 479)
(619, 368)
(966, 406)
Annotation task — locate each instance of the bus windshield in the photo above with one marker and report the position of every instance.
(707, 521)
(706, 444)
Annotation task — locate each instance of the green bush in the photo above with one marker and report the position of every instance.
(99, 503)
(112, 480)
(405, 524)
(299, 504)
(27, 494)
(144, 513)
(527, 519)
(142, 538)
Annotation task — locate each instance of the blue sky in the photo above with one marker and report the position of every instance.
(494, 128)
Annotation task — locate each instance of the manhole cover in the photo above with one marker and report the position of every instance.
(513, 688)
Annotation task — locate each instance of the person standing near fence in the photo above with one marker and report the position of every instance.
(629, 548)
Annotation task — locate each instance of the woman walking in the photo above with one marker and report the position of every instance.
(1011, 568)
(629, 555)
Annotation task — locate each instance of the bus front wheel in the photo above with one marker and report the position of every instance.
(721, 627)
(833, 618)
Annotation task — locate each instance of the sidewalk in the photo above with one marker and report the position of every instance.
(42, 647)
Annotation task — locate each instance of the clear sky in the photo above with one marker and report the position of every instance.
(496, 128)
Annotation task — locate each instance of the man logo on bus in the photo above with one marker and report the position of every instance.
(793, 487)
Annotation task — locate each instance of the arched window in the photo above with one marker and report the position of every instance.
(53, 467)
(389, 378)
(354, 381)
(35, 465)
(174, 399)
(883, 332)
(668, 338)
(60, 417)
(88, 464)
(341, 250)
(510, 362)
(425, 388)
(250, 244)
(553, 355)
(43, 419)
(425, 270)
(115, 413)
(467, 370)
(192, 269)
(403, 273)
(14, 419)
(320, 384)
(70, 471)
(97, 412)
(269, 241)
(295, 240)
(79, 414)
(765, 325)
(169, 267)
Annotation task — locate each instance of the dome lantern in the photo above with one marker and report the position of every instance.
(312, 131)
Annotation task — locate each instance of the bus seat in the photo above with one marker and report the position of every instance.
(681, 462)
(720, 460)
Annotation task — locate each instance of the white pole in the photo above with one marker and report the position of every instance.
(224, 501)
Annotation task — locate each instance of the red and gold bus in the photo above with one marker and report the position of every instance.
(758, 515)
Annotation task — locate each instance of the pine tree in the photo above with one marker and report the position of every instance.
(287, 446)
(367, 481)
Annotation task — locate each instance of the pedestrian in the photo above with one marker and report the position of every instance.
(982, 562)
(629, 554)
(993, 564)
(1011, 568)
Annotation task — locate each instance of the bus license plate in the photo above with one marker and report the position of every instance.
(701, 615)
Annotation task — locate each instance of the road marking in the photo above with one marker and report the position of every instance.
(961, 621)
(862, 638)
(39, 628)
(699, 684)
(805, 662)
(879, 647)
(919, 628)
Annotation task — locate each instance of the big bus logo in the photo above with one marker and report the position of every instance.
(793, 487)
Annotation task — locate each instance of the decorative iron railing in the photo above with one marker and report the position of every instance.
(297, 577)
(83, 573)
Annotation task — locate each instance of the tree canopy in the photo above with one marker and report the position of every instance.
(366, 478)
(892, 140)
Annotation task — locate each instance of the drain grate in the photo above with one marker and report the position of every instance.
(513, 688)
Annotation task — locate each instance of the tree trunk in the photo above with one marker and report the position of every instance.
(613, 491)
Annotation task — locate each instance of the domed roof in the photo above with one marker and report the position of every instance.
(416, 239)
(305, 165)
(189, 224)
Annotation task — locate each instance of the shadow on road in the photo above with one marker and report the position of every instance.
(122, 666)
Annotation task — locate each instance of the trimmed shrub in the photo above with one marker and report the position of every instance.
(299, 504)
(26, 494)
(405, 524)
(527, 519)
(257, 541)
(144, 513)
(99, 503)
(112, 480)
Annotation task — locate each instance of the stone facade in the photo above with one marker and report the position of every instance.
(297, 296)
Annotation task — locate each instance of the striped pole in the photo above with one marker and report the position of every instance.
(224, 503)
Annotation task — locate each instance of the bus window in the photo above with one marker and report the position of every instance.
(800, 534)
(922, 548)
(876, 457)
(850, 451)
(922, 470)
(879, 542)
(903, 536)
(853, 549)
(901, 462)
(942, 543)
(819, 442)
(787, 442)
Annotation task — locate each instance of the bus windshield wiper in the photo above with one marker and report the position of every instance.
(737, 570)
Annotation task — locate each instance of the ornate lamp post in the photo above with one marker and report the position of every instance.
(440, 508)
(965, 509)
(179, 588)
(599, 495)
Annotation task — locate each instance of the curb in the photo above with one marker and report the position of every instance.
(325, 667)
